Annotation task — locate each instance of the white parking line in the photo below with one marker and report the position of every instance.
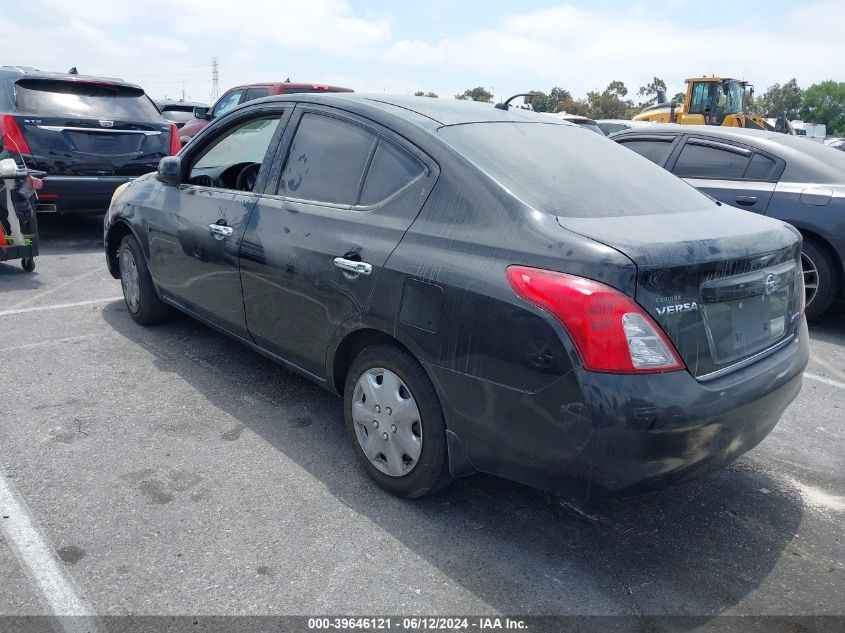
(60, 592)
(827, 381)
(55, 288)
(59, 306)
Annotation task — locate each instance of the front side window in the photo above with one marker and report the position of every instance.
(656, 150)
(233, 160)
(702, 100)
(227, 102)
(326, 160)
(728, 99)
(705, 161)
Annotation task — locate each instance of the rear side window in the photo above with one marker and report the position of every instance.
(326, 160)
(84, 99)
(392, 170)
(656, 150)
(761, 168)
(706, 161)
(256, 93)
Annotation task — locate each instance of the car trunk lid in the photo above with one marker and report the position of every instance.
(86, 128)
(724, 285)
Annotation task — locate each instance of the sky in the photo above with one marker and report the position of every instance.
(443, 46)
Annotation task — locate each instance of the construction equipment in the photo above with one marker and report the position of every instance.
(708, 101)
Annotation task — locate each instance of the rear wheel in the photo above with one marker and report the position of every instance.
(395, 421)
(138, 290)
(819, 278)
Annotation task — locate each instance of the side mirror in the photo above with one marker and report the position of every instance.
(170, 171)
(201, 112)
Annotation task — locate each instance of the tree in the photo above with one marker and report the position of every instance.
(679, 97)
(476, 94)
(557, 97)
(420, 93)
(609, 104)
(825, 103)
(650, 89)
(539, 101)
(431, 95)
(779, 100)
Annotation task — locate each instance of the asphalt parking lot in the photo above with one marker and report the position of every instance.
(172, 471)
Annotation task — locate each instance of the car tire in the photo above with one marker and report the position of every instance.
(139, 291)
(394, 432)
(819, 271)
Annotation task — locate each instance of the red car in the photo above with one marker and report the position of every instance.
(241, 94)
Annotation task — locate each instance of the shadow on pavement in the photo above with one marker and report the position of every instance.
(59, 234)
(696, 549)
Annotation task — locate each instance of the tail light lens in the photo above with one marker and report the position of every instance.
(13, 139)
(175, 142)
(611, 332)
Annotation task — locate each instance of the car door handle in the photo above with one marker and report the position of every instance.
(746, 201)
(219, 231)
(351, 266)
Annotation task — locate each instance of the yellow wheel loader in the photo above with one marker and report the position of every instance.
(710, 101)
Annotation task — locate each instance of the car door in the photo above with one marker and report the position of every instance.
(346, 192)
(734, 174)
(196, 229)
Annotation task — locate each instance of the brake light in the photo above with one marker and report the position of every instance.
(13, 139)
(175, 142)
(611, 332)
(316, 87)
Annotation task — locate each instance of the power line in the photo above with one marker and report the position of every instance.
(215, 80)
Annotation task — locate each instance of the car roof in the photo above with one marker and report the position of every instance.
(167, 103)
(21, 72)
(425, 111)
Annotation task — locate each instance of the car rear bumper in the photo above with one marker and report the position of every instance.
(591, 434)
(78, 194)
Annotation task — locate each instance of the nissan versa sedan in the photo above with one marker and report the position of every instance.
(779, 175)
(488, 290)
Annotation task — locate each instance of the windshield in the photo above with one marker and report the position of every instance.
(84, 99)
(728, 98)
(570, 171)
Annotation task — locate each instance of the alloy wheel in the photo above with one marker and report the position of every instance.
(387, 422)
(811, 280)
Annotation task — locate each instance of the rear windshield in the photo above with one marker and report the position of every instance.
(570, 171)
(84, 99)
(179, 116)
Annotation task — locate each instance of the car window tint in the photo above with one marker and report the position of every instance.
(704, 161)
(761, 168)
(245, 144)
(657, 151)
(569, 171)
(391, 170)
(256, 93)
(326, 160)
(83, 98)
(611, 128)
(228, 102)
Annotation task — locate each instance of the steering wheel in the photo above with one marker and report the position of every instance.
(247, 177)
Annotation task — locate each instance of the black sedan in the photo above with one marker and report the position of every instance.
(785, 177)
(488, 290)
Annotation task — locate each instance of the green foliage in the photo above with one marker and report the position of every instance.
(650, 89)
(609, 103)
(557, 97)
(825, 103)
(778, 100)
(420, 93)
(476, 94)
(539, 101)
(679, 97)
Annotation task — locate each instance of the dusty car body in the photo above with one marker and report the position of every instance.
(468, 271)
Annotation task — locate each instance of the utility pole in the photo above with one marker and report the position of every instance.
(215, 80)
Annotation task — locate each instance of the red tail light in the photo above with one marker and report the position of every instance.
(13, 140)
(175, 142)
(611, 332)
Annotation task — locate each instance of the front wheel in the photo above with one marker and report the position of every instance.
(819, 279)
(395, 421)
(139, 292)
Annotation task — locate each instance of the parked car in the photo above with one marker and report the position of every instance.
(483, 297)
(836, 143)
(241, 94)
(779, 175)
(89, 134)
(611, 126)
(179, 112)
(577, 119)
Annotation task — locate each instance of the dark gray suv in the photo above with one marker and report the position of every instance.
(785, 177)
